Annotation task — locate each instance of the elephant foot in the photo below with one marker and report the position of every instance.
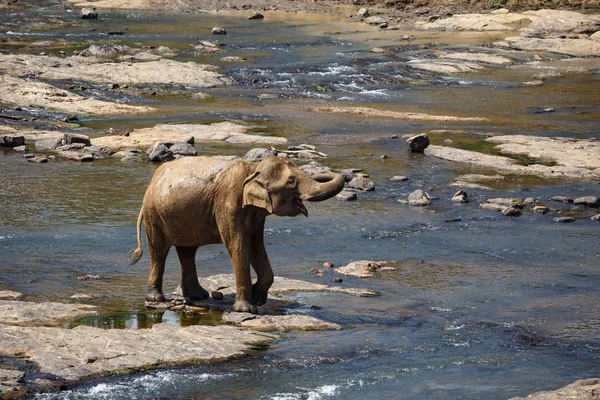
(155, 295)
(259, 296)
(244, 306)
(196, 294)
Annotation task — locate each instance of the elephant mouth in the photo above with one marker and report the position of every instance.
(301, 206)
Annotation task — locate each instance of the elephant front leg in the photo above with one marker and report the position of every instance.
(190, 286)
(239, 250)
(262, 266)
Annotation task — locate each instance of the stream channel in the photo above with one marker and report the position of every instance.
(483, 307)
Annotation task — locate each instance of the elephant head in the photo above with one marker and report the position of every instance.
(280, 187)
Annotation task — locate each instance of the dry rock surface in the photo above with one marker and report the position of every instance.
(365, 268)
(372, 112)
(25, 313)
(227, 132)
(584, 389)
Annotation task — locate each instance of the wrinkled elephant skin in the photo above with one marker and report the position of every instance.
(192, 202)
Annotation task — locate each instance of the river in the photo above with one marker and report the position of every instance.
(483, 306)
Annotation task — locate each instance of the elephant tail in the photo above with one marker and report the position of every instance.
(136, 254)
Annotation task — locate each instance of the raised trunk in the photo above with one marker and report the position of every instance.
(321, 186)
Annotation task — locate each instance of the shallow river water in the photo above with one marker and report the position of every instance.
(485, 307)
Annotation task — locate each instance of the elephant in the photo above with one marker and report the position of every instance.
(195, 201)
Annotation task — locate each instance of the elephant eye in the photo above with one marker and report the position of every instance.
(291, 181)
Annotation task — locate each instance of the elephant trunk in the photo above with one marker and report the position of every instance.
(321, 187)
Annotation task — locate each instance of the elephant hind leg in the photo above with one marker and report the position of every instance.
(189, 277)
(158, 257)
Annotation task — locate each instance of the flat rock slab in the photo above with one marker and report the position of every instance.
(372, 112)
(283, 323)
(82, 352)
(102, 71)
(508, 165)
(584, 389)
(576, 153)
(226, 132)
(10, 295)
(25, 93)
(570, 47)
(25, 313)
(226, 284)
(365, 268)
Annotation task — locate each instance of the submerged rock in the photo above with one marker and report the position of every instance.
(419, 198)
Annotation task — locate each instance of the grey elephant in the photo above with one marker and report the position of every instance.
(192, 202)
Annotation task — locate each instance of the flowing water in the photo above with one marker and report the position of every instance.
(485, 307)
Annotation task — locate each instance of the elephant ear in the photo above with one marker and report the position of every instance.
(255, 193)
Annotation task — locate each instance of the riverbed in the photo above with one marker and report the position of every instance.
(481, 306)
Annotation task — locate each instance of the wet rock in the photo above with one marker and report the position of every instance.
(328, 264)
(234, 59)
(469, 185)
(418, 143)
(77, 156)
(318, 272)
(256, 15)
(507, 201)
(183, 149)
(38, 160)
(10, 383)
(84, 351)
(361, 183)
(218, 31)
(87, 296)
(72, 138)
(562, 199)
(563, 219)
(259, 154)
(346, 195)
(484, 58)
(90, 278)
(411, 116)
(21, 149)
(541, 209)
(512, 211)
(365, 268)
(348, 174)
(239, 317)
(362, 13)
(530, 200)
(89, 13)
(106, 51)
(10, 295)
(11, 141)
(25, 313)
(400, 178)
(595, 217)
(460, 197)
(585, 389)
(446, 67)
(419, 198)
(160, 153)
(286, 323)
(493, 206)
(590, 201)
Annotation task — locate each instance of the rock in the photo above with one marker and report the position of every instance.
(564, 219)
(460, 197)
(400, 178)
(337, 280)
(72, 138)
(365, 268)
(87, 296)
(256, 15)
(218, 31)
(106, 51)
(508, 202)
(21, 149)
(361, 183)
(595, 217)
(11, 141)
(530, 200)
(89, 13)
(541, 209)
(590, 201)
(548, 23)
(239, 317)
(485, 58)
(480, 177)
(584, 389)
(570, 47)
(286, 323)
(446, 67)
(183, 149)
(9, 383)
(48, 144)
(82, 352)
(232, 59)
(346, 195)
(362, 13)
(348, 174)
(328, 264)
(469, 185)
(561, 199)
(418, 198)
(259, 154)
(480, 22)
(38, 160)
(90, 278)
(10, 295)
(418, 143)
(367, 112)
(512, 211)
(25, 313)
(493, 206)
(77, 156)
(160, 153)
(374, 20)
